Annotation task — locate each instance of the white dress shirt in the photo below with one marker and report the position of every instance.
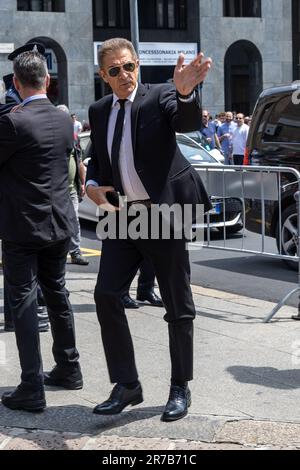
(131, 182)
(239, 139)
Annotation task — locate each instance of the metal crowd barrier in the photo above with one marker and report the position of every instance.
(251, 183)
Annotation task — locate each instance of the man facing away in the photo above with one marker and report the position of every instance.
(135, 153)
(36, 222)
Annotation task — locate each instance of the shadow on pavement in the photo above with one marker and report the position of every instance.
(253, 265)
(72, 418)
(269, 377)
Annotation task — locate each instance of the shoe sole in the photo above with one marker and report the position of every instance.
(147, 302)
(34, 407)
(107, 413)
(76, 386)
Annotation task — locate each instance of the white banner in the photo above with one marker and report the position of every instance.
(6, 48)
(166, 53)
(160, 53)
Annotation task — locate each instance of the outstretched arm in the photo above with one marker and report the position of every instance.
(187, 77)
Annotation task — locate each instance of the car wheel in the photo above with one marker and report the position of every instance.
(289, 235)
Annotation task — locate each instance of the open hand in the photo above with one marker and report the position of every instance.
(187, 77)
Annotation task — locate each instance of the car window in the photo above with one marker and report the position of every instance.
(194, 153)
(259, 121)
(283, 123)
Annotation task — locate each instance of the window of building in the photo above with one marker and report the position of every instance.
(111, 13)
(41, 5)
(283, 124)
(162, 14)
(242, 8)
(153, 14)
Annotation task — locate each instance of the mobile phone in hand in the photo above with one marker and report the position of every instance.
(114, 198)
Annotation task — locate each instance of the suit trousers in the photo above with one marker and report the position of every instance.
(25, 266)
(120, 260)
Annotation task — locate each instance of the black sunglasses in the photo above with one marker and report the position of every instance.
(114, 71)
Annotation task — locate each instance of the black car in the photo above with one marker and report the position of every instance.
(274, 140)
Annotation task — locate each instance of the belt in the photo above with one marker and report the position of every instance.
(143, 202)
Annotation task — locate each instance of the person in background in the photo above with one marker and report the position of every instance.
(248, 120)
(222, 118)
(145, 288)
(77, 190)
(85, 127)
(239, 140)
(225, 133)
(208, 129)
(77, 124)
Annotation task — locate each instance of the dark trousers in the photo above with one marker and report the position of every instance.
(238, 160)
(120, 260)
(7, 313)
(146, 279)
(23, 266)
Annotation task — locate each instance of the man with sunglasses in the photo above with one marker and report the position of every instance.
(135, 153)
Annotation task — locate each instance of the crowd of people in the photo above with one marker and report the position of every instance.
(228, 132)
(133, 132)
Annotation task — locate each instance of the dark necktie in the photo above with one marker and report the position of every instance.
(115, 149)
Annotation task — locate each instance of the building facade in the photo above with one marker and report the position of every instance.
(65, 28)
(254, 45)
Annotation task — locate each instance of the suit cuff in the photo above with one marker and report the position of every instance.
(188, 99)
(91, 183)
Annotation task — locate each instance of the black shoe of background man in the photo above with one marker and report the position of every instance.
(178, 403)
(42, 313)
(43, 326)
(65, 377)
(149, 296)
(119, 398)
(129, 302)
(25, 398)
(77, 258)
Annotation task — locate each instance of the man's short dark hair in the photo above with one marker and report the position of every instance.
(30, 69)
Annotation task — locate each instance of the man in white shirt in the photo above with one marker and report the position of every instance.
(135, 153)
(77, 124)
(239, 140)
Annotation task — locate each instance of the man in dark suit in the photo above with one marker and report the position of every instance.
(135, 153)
(36, 222)
(12, 99)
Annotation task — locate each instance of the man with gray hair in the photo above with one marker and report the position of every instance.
(133, 134)
(36, 223)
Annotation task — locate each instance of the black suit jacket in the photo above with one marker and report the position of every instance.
(35, 204)
(157, 114)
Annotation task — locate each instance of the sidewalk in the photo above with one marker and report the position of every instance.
(246, 391)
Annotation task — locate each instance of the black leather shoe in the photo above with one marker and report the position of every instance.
(178, 403)
(151, 297)
(79, 259)
(24, 398)
(43, 326)
(69, 378)
(120, 397)
(128, 302)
